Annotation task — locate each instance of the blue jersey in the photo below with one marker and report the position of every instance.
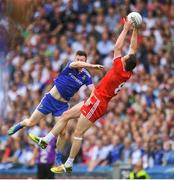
(70, 80)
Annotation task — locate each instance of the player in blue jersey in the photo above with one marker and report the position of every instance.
(56, 100)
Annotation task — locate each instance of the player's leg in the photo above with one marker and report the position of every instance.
(60, 146)
(40, 112)
(62, 135)
(72, 113)
(35, 117)
(61, 138)
(82, 126)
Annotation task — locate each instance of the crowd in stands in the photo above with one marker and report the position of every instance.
(139, 123)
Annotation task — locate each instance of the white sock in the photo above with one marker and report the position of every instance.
(69, 162)
(49, 137)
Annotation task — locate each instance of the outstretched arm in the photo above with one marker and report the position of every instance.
(120, 41)
(134, 42)
(80, 64)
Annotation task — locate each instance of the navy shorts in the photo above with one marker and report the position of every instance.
(49, 104)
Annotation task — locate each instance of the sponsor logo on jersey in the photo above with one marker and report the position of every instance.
(73, 77)
(84, 77)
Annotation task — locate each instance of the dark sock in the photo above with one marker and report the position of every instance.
(17, 127)
(14, 129)
(59, 158)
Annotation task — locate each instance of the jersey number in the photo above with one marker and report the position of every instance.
(119, 88)
(44, 155)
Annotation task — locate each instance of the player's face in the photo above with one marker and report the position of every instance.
(80, 58)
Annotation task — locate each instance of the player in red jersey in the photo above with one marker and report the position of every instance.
(109, 86)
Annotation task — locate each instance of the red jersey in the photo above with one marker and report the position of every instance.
(113, 81)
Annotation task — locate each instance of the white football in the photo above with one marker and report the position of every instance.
(136, 18)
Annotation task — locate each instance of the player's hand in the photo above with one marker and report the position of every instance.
(136, 29)
(98, 66)
(128, 24)
(88, 102)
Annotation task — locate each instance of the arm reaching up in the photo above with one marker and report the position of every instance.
(120, 41)
(134, 44)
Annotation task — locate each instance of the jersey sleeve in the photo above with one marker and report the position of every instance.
(116, 58)
(68, 65)
(115, 62)
(67, 68)
(89, 81)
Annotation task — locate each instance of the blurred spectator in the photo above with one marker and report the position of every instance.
(127, 151)
(115, 153)
(158, 154)
(105, 46)
(147, 156)
(137, 150)
(112, 19)
(99, 153)
(168, 157)
(138, 172)
(20, 155)
(3, 136)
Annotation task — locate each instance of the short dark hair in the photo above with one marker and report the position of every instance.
(130, 63)
(81, 53)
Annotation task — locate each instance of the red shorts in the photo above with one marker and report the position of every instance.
(95, 110)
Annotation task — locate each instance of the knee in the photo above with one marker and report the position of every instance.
(63, 133)
(78, 133)
(66, 116)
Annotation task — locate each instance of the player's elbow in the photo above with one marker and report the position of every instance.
(117, 52)
(63, 133)
(74, 65)
(118, 48)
